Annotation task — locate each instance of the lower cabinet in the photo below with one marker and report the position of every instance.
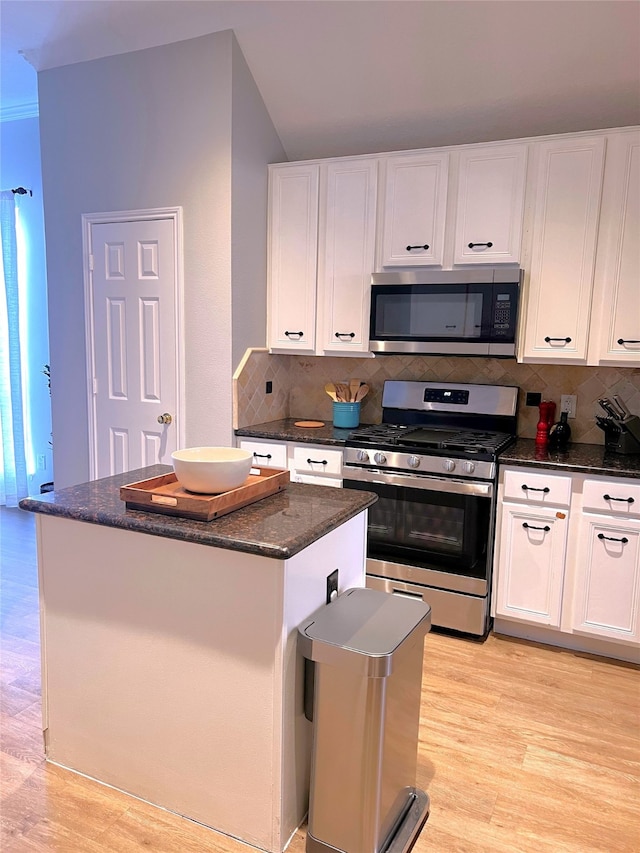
(567, 556)
(307, 463)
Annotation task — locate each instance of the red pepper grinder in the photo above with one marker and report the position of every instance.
(547, 416)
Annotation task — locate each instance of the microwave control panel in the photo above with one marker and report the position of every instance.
(504, 313)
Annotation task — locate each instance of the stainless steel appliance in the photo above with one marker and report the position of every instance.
(432, 463)
(459, 312)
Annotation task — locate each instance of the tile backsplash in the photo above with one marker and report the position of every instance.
(298, 386)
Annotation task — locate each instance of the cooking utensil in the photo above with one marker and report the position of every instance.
(330, 388)
(605, 404)
(622, 406)
(342, 392)
(354, 384)
(362, 392)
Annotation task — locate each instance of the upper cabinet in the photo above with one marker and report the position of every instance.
(490, 205)
(615, 320)
(414, 209)
(321, 255)
(565, 226)
(583, 299)
(293, 251)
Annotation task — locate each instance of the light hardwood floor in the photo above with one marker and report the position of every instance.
(523, 749)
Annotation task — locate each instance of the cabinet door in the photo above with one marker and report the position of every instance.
(606, 599)
(346, 261)
(414, 209)
(293, 250)
(490, 205)
(615, 322)
(531, 564)
(567, 206)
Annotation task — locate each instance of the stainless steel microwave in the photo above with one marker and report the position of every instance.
(457, 312)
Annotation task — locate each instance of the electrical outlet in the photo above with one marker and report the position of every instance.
(568, 404)
(332, 586)
(42, 462)
(268, 387)
(533, 398)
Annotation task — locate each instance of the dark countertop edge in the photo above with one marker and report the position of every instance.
(577, 459)
(172, 527)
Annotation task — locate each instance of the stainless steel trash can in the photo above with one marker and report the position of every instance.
(366, 648)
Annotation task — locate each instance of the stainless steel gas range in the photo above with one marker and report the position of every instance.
(432, 463)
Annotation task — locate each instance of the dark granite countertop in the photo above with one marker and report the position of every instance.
(577, 458)
(284, 430)
(278, 526)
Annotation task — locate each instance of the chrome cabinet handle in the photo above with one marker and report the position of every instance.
(623, 500)
(624, 539)
(165, 418)
(526, 526)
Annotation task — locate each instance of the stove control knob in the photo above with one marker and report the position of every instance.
(449, 465)
(413, 462)
(468, 467)
(380, 458)
(362, 456)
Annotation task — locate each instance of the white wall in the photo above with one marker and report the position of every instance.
(20, 166)
(153, 128)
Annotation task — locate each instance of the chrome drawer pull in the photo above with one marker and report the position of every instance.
(526, 526)
(623, 500)
(534, 489)
(624, 539)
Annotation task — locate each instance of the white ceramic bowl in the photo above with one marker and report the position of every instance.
(211, 470)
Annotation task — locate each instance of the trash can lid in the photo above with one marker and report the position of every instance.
(364, 623)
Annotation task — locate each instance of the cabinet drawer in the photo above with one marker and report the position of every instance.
(269, 453)
(537, 488)
(612, 496)
(317, 460)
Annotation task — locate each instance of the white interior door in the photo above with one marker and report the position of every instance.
(133, 328)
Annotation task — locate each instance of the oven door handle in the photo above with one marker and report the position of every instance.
(418, 481)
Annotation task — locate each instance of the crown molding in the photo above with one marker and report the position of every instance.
(19, 111)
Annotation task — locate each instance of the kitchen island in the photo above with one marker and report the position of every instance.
(170, 667)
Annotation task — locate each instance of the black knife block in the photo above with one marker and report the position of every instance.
(623, 441)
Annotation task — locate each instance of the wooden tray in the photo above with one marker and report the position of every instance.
(165, 495)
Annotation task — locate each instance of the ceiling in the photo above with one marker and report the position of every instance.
(342, 77)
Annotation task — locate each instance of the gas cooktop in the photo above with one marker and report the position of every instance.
(424, 438)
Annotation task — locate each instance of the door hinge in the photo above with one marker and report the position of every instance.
(95, 386)
(90, 263)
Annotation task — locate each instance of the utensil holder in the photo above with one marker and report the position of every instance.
(346, 415)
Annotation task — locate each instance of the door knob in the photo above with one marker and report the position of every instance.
(165, 419)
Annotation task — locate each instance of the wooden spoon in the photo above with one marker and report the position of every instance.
(354, 384)
(330, 388)
(342, 390)
(362, 392)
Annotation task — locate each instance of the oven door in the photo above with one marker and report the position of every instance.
(429, 522)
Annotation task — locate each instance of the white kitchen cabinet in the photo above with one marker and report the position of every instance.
(490, 206)
(347, 255)
(607, 581)
(532, 550)
(414, 209)
(568, 572)
(321, 255)
(568, 187)
(293, 249)
(307, 463)
(614, 337)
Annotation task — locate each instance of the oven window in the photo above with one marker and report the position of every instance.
(428, 528)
